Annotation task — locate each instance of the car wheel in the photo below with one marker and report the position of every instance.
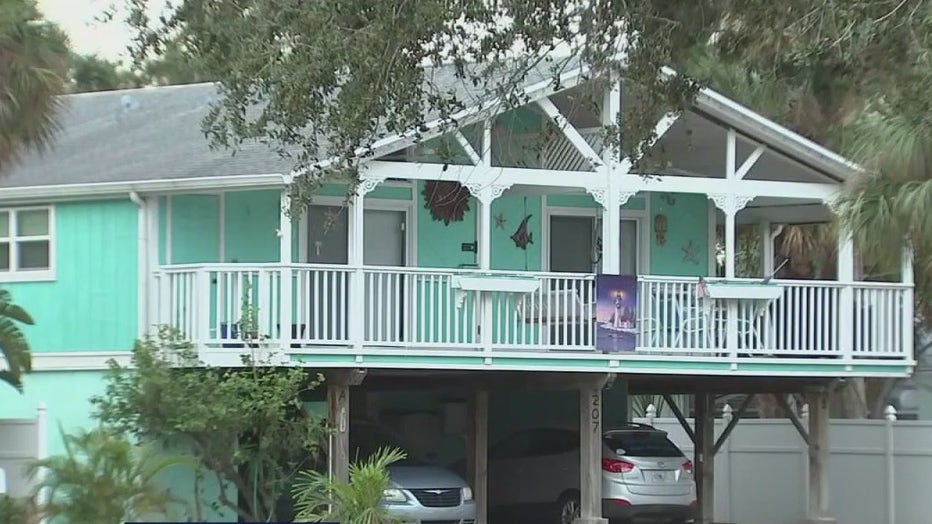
(569, 508)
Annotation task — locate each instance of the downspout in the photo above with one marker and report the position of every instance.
(143, 263)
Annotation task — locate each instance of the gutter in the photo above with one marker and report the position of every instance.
(142, 261)
(99, 189)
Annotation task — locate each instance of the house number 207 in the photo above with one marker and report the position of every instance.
(595, 412)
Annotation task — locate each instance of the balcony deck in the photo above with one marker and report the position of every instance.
(405, 317)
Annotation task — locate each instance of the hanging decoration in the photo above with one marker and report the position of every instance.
(660, 228)
(691, 253)
(500, 221)
(522, 236)
(447, 200)
(669, 199)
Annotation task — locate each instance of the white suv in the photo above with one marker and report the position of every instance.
(534, 476)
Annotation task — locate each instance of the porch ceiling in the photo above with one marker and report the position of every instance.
(696, 144)
(782, 211)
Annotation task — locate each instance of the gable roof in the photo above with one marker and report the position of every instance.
(140, 136)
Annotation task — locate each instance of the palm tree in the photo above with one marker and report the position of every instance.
(33, 75)
(318, 498)
(13, 344)
(103, 478)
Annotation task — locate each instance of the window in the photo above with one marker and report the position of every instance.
(630, 247)
(26, 243)
(642, 444)
(576, 243)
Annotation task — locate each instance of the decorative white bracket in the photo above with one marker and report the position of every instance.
(730, 204)
(367, 184)
(486, 192)
(600, 195)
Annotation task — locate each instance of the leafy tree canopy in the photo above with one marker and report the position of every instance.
(333, 76)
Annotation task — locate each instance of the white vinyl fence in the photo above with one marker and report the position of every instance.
(22, 441)
(878, 470)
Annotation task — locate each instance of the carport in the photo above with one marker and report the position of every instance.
(704, 390)
(476, 387)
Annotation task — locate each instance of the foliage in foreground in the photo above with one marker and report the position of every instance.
(326, 80)
(13, 344)
(15, 510)
(246, 426)
(103, 478)
(318, 498)
(33, 73)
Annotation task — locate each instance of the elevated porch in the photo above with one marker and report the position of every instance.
(483, 248)
(437, 318)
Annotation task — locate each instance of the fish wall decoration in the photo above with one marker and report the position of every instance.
(522, 236)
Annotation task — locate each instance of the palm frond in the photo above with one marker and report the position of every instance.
(318, 498)
(104, 478)
(13, 343)
(33, 76)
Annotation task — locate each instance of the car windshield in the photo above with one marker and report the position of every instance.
(642, 444)
(366, 440)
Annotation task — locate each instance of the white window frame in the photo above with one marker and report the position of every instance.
(639, 216)
(13, 274)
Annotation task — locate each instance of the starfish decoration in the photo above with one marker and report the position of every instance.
(500, 221)
(691, 253)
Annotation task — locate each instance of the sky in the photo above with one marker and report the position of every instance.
(77, 19)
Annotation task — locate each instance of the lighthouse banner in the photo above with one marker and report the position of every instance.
(616, 313)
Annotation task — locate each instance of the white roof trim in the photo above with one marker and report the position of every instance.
(773, 134)
(103, 189)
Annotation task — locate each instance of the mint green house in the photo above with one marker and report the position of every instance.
(475, 255)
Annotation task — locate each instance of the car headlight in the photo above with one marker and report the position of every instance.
(394, 496)
(467, 493)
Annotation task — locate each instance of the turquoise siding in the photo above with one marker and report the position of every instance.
(251, 219)
(67, 397)
(195, 223)
(92, 303)
(687, 222)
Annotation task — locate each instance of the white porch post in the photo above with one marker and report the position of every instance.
(845, 261)
(285, 257)
(485, 189)
(357, 308)
(909, 321)
(611, 201)
(730, 206)
(485, 193)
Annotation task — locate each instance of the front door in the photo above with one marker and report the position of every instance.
(384, 248)
(576, 242)
(326, 301)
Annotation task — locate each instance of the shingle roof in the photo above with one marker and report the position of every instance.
(138, 134)
(155, 133)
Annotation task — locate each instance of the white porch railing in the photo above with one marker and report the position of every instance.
(808, 320)
(402, 307)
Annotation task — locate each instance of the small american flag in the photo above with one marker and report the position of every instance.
(702, 290)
